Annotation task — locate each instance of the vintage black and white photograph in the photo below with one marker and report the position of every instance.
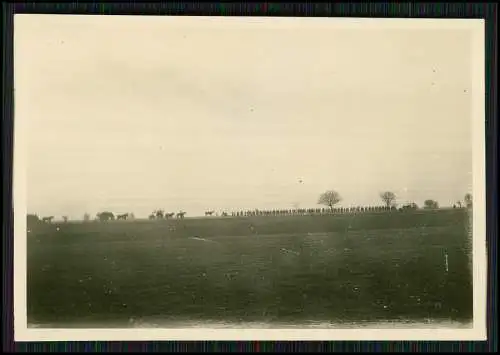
(238, 175)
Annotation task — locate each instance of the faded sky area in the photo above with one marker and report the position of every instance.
(131, 114)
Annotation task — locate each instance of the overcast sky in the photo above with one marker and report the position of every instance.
(133, 114)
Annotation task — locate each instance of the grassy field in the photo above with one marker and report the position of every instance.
(348, 268)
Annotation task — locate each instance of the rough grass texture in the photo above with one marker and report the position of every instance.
(290, 269)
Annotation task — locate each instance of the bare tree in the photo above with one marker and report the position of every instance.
(329, 198)
(468, 200)
(431, 204)
(86, 217)
(65, 219)
(131, 215)
(388, 198)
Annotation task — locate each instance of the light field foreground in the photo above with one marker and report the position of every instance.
(344, 271)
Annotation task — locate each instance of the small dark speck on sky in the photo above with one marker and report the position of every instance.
(300, 181)
(465, 90)
(433, 70)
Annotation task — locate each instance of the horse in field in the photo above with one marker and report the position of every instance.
(180, 215)
(47, 219)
